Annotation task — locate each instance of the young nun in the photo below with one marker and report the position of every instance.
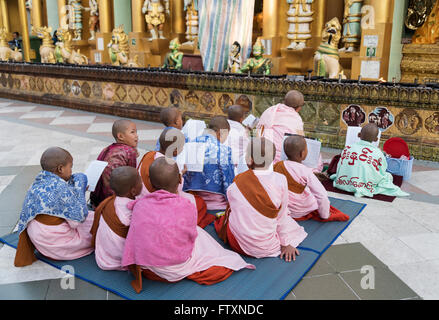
(284, 118)
(119, 154)
(171, 117)
(307, 198)
(257, 222)
(55, 219)
(362, 168)
(218, 171)
(171, 144)
(112, 218)
(164, 242)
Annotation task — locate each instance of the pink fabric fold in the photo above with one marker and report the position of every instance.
(159, 237)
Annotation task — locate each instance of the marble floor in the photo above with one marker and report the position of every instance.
(400, 238)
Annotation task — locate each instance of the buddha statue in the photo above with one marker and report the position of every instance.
(258, 64)
(174, 58)
(155, 17)
(234, 58)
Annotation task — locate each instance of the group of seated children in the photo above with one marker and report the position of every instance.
(149, 218)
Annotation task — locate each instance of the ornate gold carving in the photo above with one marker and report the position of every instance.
(417, 12)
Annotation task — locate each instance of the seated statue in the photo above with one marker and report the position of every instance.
(174, 58)
(234, 58)
(258, 64)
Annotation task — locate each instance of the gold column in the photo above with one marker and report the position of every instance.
(178, 17)
(270, 18)
(37, 13)
(383, 10)
(319, 18)
(106, 18)
(383, 24)
(24, 29)
(62, 13)
(138, 19)
(5, 15)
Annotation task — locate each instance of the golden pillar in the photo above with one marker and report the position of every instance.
(138, 19)
(270, 18)
(103, 37)
(62, 13)
(378, 23)
(383, 10)
(106, 18)
(178, 18)
(319, 19)
(37, 13)
(5, 15)
(24, 29)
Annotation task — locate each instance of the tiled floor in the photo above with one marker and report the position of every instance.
(398, 240)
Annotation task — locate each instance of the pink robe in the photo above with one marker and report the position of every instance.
(164, 238)
(109, 246)
(257, 235)
(315, 196)
(275, 122)
(207, 253)
(214, 201)
(67, 241)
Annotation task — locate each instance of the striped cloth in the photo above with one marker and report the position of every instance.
(223, 22)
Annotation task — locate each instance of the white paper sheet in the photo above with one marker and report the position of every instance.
(312, 160)
(193, 128)
(194, 155)
(370, 69)
(181, 159)
(352, 136)
(250, 121)
(94, 172)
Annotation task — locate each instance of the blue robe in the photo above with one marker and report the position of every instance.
(218, 171)
(51, 195)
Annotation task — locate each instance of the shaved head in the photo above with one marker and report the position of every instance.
(123, 179)
(218, 123)
(294, 99)
(170, 116)
(369, 132)
(219, 127)
(120, 126)
(54, 157)
(260, 153)
(294, 146)
(172, 139)
(164, 175)
(236, 113)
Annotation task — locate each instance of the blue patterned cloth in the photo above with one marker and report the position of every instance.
(51, 195)
(218, 171)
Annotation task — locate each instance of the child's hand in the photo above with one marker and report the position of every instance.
(289, 252)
